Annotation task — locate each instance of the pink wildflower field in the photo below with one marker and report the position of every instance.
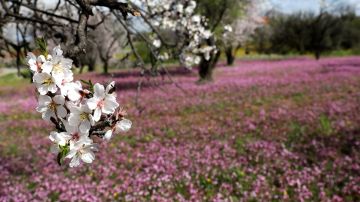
(281, 130)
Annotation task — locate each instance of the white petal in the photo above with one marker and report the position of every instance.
(40, 77)
(75, 161)
(47, 67)
(42, 89)
(61, 111)
(92, 103)
(41, 59)
(41, 109)
(53, 136)
(73, 95)
(33, 67)
(74, 119)
(54, 149)
(123, 125)
(92, 120)
(57, 51)
(52, 88)
(88, 157)
(109, 106)
(44, 100)
(71, 154)
(66, 63)
(30, 57)
(84, 127)
(59, 99)
(97, 114)
(99, 91)
(108, 135)
(110, 86)
(48, 114)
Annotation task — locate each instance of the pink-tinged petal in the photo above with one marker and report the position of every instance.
(99, 91)
(92, 103)
(97, 114)
(47, 67)
(59, 99)
(61, 111)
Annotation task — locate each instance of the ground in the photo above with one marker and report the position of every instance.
(284, 130)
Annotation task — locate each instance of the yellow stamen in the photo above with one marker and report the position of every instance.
(83, 116)
(48, 81)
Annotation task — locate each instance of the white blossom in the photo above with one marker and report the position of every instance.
(102, 102)
(45, 83)
(81, 117)
(59, 139)
(157, 43)
(81, 150)
(121, 126)
(51, 107)
(72, 109)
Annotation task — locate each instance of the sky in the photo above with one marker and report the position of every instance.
(291, 6)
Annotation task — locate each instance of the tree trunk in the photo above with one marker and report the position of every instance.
(18, 60)
(230, 57)
(106, 67)
(206, 68)
(91, 67)
(317, 55)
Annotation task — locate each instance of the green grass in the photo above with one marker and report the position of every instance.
(13, 80)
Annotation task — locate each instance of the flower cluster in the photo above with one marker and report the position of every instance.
(180, 18)
(78, 114)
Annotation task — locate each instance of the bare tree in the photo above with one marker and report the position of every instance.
(52, 22)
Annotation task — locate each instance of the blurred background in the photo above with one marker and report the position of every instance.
(265, 107)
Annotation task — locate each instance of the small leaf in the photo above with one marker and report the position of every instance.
(59, 158)
(91, 87)
(85, 82)
(64, 150)
(41, 45)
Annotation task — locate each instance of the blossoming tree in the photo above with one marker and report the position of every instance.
(240, 31)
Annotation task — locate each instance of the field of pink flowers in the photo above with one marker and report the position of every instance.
(286, 130)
